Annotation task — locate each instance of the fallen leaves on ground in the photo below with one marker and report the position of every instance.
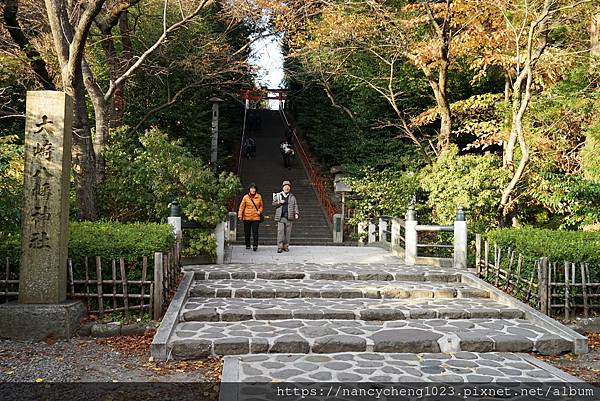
(585, 367)
(594, 340)
(210, 368)
(130, 345)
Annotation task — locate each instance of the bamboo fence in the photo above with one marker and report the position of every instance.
(555, 288)
(87, 281)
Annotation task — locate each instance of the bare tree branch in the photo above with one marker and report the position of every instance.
(156, 45)
(37, 63)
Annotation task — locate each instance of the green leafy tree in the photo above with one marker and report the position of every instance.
(472, 181)
(11, 184)
(385, 192)
(144, 177)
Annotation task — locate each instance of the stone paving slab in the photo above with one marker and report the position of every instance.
(197, 339)
(237, 309)
(339, 271)
(309, 288)
(349, 367)
(312, 254)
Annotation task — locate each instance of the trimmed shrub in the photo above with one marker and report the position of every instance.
(105, 239)
(556, 245)
(114, 240)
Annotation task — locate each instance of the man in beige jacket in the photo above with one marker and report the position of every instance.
(286, 213)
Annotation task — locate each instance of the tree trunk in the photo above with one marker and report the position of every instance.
(69, 45)
(507, 86)
(521, 97)
(83, 156)
(509, 150)
(445, 126)
(595, 34)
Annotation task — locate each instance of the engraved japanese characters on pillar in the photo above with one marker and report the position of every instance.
(44, 227)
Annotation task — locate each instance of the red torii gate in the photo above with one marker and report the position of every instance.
(259, 94)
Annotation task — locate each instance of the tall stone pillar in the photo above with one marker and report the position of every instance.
(43, 310)
(45, 207)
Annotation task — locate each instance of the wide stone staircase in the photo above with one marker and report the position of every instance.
(353, 322)
(266, 170)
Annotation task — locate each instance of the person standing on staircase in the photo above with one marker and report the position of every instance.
(287, 211)
(250, 212)
(286, 152)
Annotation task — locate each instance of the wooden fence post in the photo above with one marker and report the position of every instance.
(543, 285)
(142, 292)
(583, 267)
(99, 285)
(486, 257)
(478, 254)
(125, 289)
(567, 291)
(6, 280)
(158, 285)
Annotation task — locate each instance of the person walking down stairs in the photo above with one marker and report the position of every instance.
(285, 147)
(251, 213)
(287, 211)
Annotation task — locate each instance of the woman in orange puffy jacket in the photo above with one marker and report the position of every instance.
(250, 212)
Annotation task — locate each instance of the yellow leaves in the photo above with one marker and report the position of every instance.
(39, 380)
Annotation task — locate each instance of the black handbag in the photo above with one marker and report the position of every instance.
(260, 215)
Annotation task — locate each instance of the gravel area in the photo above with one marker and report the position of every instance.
(119, 359)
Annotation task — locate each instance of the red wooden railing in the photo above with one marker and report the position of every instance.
(313, 175)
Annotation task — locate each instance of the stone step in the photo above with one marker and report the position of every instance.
(356, 367)
(338, 272)
(309, 288)
(199, 339)
(238, 309)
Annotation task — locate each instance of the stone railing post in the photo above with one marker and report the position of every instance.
(382, 230)
(338, 228)
(395, 232)
(372, 231)
(362, 232)
(410, 255)
(460, 239)
(231, 226)
(220, 239)
(174, 218)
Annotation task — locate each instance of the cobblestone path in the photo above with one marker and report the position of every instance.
(352, 321)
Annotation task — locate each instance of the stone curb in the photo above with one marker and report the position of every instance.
(113, 329)
(228, 390)
(586, 325)
(580, 343)
(551, 369)
(158, 349)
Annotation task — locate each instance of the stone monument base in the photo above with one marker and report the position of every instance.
(39, 321)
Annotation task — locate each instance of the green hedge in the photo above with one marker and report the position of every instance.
(106, 239)
(556, 245)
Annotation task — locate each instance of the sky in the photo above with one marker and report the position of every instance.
(266, 56)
